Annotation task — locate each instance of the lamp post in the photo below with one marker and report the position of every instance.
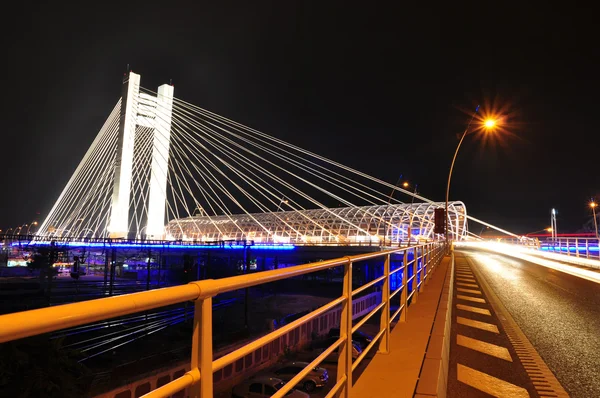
(593, 205)
(488, 125)
(385, 209)
(33, 223)
(549, 229)
(21, 228)
(553, 227)
(283, 200)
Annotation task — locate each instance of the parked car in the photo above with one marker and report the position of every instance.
(263, 387)
(322, 345)
(317, 377)
(361, 338)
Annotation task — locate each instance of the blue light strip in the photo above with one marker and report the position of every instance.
(159, 245)
(582, 249)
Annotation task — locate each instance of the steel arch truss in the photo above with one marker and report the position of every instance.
(382, 224)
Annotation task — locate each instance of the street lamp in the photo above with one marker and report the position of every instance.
(283, 200)
(593, 205)
(549, 229)
(412, 197)
(20, 228)
(33, 223)
(488, 125)
(553, 227)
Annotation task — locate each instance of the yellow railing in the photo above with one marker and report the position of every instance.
(428, 255)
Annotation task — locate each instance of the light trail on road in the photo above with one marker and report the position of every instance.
(549, 260)
(558, 312)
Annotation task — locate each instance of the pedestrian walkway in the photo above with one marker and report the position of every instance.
(396, 374)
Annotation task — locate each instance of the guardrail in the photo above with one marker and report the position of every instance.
(578, 247)
(418, 260)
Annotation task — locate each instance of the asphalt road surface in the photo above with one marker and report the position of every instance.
(559, 313)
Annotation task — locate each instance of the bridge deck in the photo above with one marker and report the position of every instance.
(396, 374)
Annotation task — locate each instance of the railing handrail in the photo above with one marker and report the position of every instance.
(32, 322)
(425, 256)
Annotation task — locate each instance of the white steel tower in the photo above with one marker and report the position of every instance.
(144, 110)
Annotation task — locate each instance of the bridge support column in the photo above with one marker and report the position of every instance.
(119, 216)
(160, 163)
(144, 110)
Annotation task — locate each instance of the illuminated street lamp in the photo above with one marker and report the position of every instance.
(282, 201)
(20, 228)
(488, 125)
(33, 223)
(593, 205)
(553, 228)
(406, 184)
(549, 229)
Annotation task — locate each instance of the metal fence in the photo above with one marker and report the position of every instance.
(577, 247)
(418, 262)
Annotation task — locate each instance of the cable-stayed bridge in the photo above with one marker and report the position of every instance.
(162, 168)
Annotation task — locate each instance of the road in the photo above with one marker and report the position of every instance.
(559, 314)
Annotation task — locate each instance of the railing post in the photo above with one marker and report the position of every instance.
(404, 293)
(202, 349)
(344, 366)
(384, 343)
(423, 267)
(415, 282)
(587, 248)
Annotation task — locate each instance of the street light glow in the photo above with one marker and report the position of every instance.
(489, 123)
(593, 204)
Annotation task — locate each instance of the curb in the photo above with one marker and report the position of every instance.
(433, 379)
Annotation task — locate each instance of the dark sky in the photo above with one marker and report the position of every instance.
(385, 90)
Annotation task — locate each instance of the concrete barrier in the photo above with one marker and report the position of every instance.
(433, 379)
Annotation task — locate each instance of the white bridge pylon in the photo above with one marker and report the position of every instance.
(162, 168)
(155, 113)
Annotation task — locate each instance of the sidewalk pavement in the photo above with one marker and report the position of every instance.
(396, 374)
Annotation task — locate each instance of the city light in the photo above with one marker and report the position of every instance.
(489, 123)
(166, 245)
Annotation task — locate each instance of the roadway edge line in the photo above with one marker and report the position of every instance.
(521, 344)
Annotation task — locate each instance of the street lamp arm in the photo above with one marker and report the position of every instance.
(452, 168)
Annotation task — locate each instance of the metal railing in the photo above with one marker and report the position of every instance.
(419, 260)
(577, 247)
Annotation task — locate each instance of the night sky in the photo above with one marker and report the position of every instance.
(385, 90)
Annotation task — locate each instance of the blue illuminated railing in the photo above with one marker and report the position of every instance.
(417, 264)
(578, 247)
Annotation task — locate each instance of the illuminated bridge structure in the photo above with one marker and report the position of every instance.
(163, 169)
(381, 224)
